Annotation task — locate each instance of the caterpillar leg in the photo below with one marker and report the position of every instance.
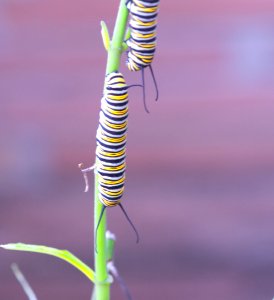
(84, 172)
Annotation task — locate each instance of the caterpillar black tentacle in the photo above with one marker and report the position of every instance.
(155, 82)
(99, 221)
(132, 225)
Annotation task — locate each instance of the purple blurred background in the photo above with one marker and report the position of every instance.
(200, 168)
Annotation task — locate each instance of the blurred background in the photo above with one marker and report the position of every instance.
(200, 167)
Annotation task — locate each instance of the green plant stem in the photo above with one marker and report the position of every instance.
(102, 285)
(115, 51)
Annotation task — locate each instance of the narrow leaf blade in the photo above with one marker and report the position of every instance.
(62, 254)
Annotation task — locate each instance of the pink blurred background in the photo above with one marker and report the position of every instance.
(200, 175)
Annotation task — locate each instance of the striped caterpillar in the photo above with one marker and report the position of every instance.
(142, 41)
(111, 144)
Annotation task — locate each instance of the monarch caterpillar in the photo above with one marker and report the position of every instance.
(142, 41)
(111, 144)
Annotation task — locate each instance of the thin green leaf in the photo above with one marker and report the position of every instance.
(128, 33)
(105, 35)
(124, 47)
(62, 254)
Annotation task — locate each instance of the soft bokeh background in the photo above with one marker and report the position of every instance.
(200, 177)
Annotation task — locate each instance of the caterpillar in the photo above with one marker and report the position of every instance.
(142, 41)
(111, 144)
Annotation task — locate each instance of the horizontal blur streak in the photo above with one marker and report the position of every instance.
(200, 166)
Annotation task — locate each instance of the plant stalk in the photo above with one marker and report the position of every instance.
(103, 281)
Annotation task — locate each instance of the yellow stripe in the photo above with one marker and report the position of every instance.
(144, 23)
(148, 61)
(109, 182)
(112, 154)
(118, 168)
(143, 56)
(117, 112)
(114, 194)
(116, 126)
(133, 66)
(137, 3)
(147, 9)
(114, 140)
(148, 35)
(118, 97)
(148, 46)
(120, 80)
(110, 203)
(118, 85)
